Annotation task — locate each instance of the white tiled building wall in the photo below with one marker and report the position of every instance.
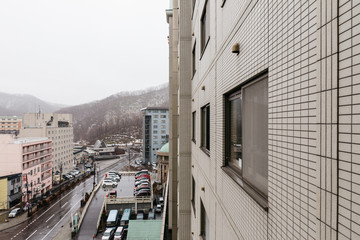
(311, 50)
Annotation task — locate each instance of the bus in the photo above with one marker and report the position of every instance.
(113, 218)
(125, 218)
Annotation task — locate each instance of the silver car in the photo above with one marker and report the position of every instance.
(109, 183)
(14, 212)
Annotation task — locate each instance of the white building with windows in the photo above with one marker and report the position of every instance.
(58, 127)
(155, 131)
(264, 119)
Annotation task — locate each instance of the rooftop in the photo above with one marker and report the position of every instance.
(164, 148)
(144, 229)
(29, 140)
(154, 108)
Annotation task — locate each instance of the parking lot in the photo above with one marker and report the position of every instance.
(125, 187)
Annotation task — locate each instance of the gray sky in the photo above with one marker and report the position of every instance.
(73, 51)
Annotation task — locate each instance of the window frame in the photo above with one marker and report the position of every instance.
(204, 221)
(193, 194)
(193, 64)
(205, 129)
(204, 27)
(193, 8)
(193, 127)
(234, 172)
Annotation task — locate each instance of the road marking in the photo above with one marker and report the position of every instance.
(89, 179)
(50, 217)
(60, 220)
(64, 204)
(31, 234)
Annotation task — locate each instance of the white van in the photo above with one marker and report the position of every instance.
(119, 233)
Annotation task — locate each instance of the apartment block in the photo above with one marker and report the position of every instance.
(267, 96)
(58, 127)
(155, 131)
(10, 125)
(30, 157)
(10, 191)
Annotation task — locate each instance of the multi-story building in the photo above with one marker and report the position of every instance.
(10, 191)
(32, 157)
(155, 131)
(10, 125)
(264, 119)
(162, 156)
(58, 127)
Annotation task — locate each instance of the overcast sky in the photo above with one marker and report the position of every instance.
(73, 51)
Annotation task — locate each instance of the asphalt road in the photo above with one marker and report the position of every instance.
(48, 221)
(45, 223)
(88, 227)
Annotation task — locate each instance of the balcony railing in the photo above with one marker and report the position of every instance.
(45, 177)
(43, 169)
(34, 149)
(37, 156)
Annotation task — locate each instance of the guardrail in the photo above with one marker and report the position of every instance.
(128, 200)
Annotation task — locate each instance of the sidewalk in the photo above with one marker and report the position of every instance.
(11, 222)
(65, 231)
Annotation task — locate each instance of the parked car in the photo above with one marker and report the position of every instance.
(144, 187)
(112, 179)
(142, 171)
(140, 179)
(116, 173)
(119, 233)
(158, 208)
(88, 165)
(109, 183)
(14, 212)
(112, 194)
(140, 216)
(143, 184)
(151, 215)
(74, 172)
(161, 200)
(114, 176)
(142, 175)
(68, 176)
(142, 193)
(108, 234)
(144, 181)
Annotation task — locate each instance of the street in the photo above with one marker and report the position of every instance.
(48, 221)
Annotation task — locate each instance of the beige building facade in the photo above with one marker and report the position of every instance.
(58, 127)
(274, 120)
(10, 124)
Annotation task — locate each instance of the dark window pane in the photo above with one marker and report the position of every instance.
(235, 132)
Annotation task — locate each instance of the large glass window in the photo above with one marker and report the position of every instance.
(247, 133)
(205, 127)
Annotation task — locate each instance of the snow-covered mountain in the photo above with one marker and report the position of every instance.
(17, 104)
(118, 113)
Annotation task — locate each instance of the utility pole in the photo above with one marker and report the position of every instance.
(129, 158)
(94, 166)
(27, 193)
